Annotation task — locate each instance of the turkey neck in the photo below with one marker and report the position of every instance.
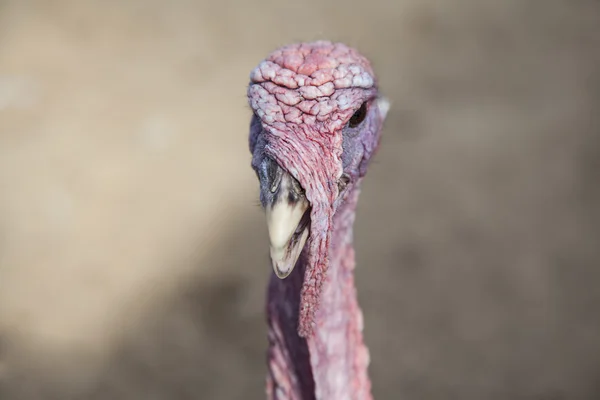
(332, 364)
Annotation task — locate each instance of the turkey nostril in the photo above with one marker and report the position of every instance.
(270, 174)
(276, 179)
(297, 187)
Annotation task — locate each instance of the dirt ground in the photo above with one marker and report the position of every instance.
(133, 252)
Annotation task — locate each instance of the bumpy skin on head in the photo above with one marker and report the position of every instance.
(303, 96)
(318, 117)
(304, 84)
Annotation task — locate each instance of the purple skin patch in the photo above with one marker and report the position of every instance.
(303, 97)
(317, 121)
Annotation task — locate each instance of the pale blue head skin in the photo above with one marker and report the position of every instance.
(359, 144)
(328, 89)
(316, 126)
(317, 123)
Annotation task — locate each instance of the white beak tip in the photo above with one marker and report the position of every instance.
(287, 224)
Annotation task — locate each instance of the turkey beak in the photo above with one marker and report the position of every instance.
(288, 217)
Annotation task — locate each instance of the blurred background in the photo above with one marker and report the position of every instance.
(133, 252)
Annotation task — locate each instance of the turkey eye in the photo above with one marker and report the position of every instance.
(359, 116)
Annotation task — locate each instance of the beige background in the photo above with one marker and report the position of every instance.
(133, 253)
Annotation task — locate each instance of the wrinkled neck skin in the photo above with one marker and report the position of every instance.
(332, 363)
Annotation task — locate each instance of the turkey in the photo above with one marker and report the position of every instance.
(316, 125)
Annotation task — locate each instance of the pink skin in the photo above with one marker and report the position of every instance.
(303, 97)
